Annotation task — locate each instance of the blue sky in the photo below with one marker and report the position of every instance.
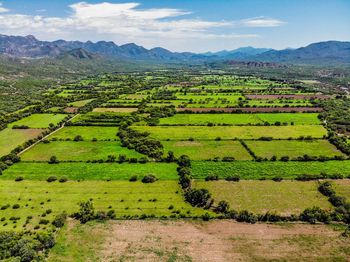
(181, 25)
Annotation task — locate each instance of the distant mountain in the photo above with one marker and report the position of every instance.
(239, 53)
(30, 47)
(322, 52)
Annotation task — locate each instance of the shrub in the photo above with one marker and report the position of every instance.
(43, 221)
(245, 216)
(63, 179)
(51, 179)
(223, 207)
(53, 160)
(326, 189)
(15, 206)
(184, 161)
(149, 179)
(19, 178)
(198, 197)
(143, 160)
(277, 179)
(211, 177)
(59, 220)
(234, 178)
(228, 159)
(133, 178)
(78, 138)
(314, 214)
(86, 212)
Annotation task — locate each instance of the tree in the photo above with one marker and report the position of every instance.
(86, 212)
(223, 207)
(184, 161)
(198, 197)
(53, 160)
(170, 157)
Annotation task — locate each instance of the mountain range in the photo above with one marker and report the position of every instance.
(30, 47)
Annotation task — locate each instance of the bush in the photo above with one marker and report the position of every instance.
(51, 179)
(149, 179)
(53, 160)
(223, 207)
(234, 178)
(86, 212)
(15, 206)
(43, 221)
(19, 178)
(211, 177)
(184, 161)
(277, 179)
(78, 138)
(228, 159)
(63, 179)
(326, 189)
(59, 220)
(314, 214)
(245, 216)
(133, 178)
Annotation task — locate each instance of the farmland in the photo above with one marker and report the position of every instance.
(154, 145)
(39, 120)
(286, 197)
(231, 132)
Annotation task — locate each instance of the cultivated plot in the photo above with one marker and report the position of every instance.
(86, 132)
(284, 198)
(39, 120)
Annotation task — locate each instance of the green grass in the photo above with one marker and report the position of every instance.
(241, 119)
(90, 171)
(204, 150)
(232, 132)
(39, 120)
(267, 169)
(11, 138)
(286, 197)
(342, 187)
(293, 148)
(80, 103)
(77, 151)
(126, 198)
(87, 132)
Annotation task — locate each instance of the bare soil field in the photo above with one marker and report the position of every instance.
(115, 109)
(291, 96)
(252, 109)
(71, 110)
(219, 240)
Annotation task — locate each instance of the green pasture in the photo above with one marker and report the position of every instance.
(284, 198)
(39, 120)
(86, 132)
(80, 103)
(268, 169)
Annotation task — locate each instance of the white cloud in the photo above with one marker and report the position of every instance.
(261, 22)
(128, 22)
(3, 9)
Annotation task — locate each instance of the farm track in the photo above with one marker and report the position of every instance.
(37, 142)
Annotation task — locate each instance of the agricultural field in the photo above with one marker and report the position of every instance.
(205, 150)
(232, 132)
(115, 109)
(125, 198)
(90, 171)
(342, 187)
(268, 169)
(293, 148)
(241, 119)
(86, 132)
(77, 151)
(39, 120)
(11, 138)
(286, 197)
(80, 103)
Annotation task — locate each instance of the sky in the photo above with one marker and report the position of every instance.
(181, 25)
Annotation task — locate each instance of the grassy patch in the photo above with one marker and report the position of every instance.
(89, 171)
(204, 150)
(77, 151)
(286, 197)
(39, 120)
(11, 138)
(231, 132)
(87, 132)
(115, 109)
(80, 103)
(293, 148)
(342, 187)
(268, 169)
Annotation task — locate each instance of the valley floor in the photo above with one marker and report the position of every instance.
(218, 240)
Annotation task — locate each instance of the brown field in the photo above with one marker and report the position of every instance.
(291, 96)
(71, 109)
(115, 109)
(219, 240)
(252, 109)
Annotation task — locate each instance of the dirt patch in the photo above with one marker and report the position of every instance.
(71, 110)
(219, 241)
(251, 109)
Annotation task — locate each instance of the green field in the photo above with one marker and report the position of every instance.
(342, 187)
(11, 138)
(126, 198)
(241, 119)
(232, 132)
(89, 171)
(39, 120)
(77, 151)
(87, 133)
(80, 103)
(285, 198)
(205, 150)
(268, 169)
(293, 148)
